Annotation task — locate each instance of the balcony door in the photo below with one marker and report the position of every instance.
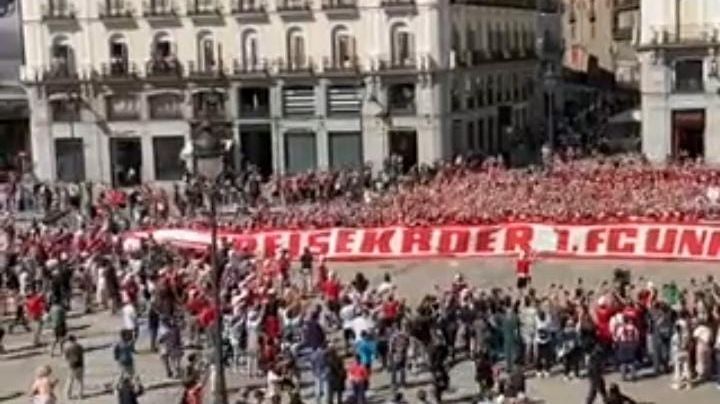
(688, 133)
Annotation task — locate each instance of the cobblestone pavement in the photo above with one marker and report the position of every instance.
(413, 278)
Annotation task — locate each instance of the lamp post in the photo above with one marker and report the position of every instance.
(207, 155)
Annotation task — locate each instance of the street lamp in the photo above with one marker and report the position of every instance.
(207, 154)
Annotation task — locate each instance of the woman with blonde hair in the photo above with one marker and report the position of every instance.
(43, 388)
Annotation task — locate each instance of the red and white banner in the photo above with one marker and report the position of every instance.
(642, 241)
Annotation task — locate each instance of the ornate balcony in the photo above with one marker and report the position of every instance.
(689, 36)
(202, 10)
(160, 10)
(334, 67)
(626, 5)
(60, 74)
(249, 10)
(294, 9)
(118, 71)
(622, 33)
(115, 11)
(340, 8)
(295, 68)
(59, 14)
(197, 72)
(163, 68)
(251, 70)
(399, 6)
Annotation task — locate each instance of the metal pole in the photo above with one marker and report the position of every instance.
(220, 390)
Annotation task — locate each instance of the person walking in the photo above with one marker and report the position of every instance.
(595, 368)
(337, 376)
(58, 321)
(320, 371)
(75, 358)
(627, 340)
(35, 306)
(359, 380)
(399, 346)
(129, 389)
(124, 353)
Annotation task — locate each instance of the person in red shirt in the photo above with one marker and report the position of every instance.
(331, 289)
(322, 271)
(390, 310)
(522, 269)
(359, 377)
(603, 313)
(35, 306)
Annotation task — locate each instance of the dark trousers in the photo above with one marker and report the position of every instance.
(597, 387)
(571, 362)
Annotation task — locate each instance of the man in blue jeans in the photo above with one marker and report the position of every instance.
(320, 369)
(398, 352)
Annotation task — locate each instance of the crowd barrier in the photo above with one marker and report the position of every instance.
(697, 242)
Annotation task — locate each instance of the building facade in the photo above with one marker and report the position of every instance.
(680, 78)
(118, 87)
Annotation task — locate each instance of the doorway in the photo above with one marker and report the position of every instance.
(688, 133)
(69, 160)
(126, 161)
(403, 143)
(256, 148)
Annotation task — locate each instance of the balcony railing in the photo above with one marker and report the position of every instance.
(119, 69)
(528, 4)
(334, 65)
(291, 8)
(60, 71)
(163, 67)
(58, 11)
(680, 36)
(114, 10)
(160, 9)
(203, 8)
(398, 6)
(295, 66)
(399, 63)
(330, 5)
(256, 68)
(196, 70)
(688, 85)
(623, 5)
(622, 33)
(249, 8)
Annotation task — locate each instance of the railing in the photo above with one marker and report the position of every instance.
(240, 68)
(58, 10)
(248, 7)
(683, 35)
(203, 7)
(294, 5)
(198, 70)
(113, 9)
(622, 5)
(60, 71)
(530, 4)
(688, 85)
(336, 65)
(397, 3)
(118, 69)
(339, 4)
(164, 67)
(294, 66)
(409, 62)
(622, 33)
(160, 8)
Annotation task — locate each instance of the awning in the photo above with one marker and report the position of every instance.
(627, 116)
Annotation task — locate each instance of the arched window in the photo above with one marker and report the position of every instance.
(470, 39)
(250, 49)
(206, 52)
(343, 47)
(296, 52)
(63, 56)
(402, 45)
(118, 54)
(162, 47)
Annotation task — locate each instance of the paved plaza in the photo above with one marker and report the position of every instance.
(414, 278)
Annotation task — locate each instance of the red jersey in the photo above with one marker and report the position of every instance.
(358, 373)
(35, 306)
(522, 267)
(207, 316)
(331, 289)
(390, 309)
(602, 319)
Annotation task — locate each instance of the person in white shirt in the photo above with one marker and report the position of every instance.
(348, 312)
(386, 286)
(130, 319)
(703, 350)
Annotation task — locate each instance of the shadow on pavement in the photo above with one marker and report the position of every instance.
(11, 396)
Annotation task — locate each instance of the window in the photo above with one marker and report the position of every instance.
(296, 49)
(401, 98)
(208, 104)
(63, 60)
(122, 107)
(470, 38)
(299, 100)
(165, 106)
(482, 139)
(162, 46)
(64, 111)
(344, 100)
(254, 102)
(402, 44)
(300, 152)
(345, 149)
(689, 75)
(206, 52)
(250, 49)
(126, 161)
(457, 137)
(69, 160)
(166, 153)
(343, 48)
(118, 55)
(454, 97)
(470, 137)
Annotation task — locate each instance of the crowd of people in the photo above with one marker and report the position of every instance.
(565, 189)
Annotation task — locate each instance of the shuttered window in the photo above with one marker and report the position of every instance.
(300, 152)
(344, 100)
(345, 149)
(299, 100)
